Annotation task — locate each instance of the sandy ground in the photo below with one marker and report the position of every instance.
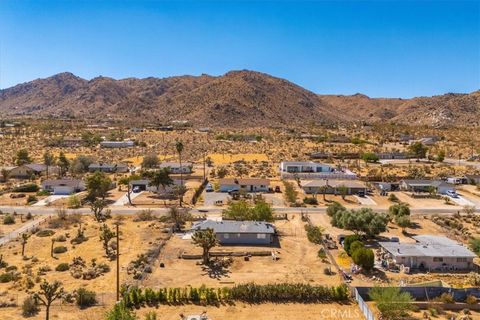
(298, 263)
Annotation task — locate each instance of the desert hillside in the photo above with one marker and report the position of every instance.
(236, 99)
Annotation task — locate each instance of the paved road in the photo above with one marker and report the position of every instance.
(463, 162)
(124, 199)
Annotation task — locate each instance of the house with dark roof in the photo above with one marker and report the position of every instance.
(239, 232)
(108, 168)
(25, 171)
(247, 184)
(333, 186)
(176, 168)
(432, 253)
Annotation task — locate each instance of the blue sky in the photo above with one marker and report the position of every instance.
(379, 48)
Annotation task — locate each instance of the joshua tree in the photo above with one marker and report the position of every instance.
(179, 148)
(51, 248)
(25, 237)
(205, 239)
(343, 190)
(49, 293)
(106, 235)
(126, 182)
(97, 207)
(178, 217)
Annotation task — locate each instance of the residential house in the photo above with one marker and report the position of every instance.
(108, 168)
(432, 253)
(247, 184)
(418, 186)
(457, 180)
(332, 186)
(392, 155)
(239, 232)
(144, 185)
(117, 144)
(473, 178)
(176, 168)
(63, 186)
(313, 170)
(25, 171)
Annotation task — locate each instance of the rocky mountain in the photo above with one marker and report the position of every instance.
(236, 99)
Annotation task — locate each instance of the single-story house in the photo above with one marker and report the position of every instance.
(239, 232)
(391, 155)
(247, 184)
(176, 168)
(25, 171)
(117, 144)
(144, 185)
(108, 168)
(332, 186)
(473, 178)
(438, 186)
(457, 180)
(314, 170)
(432, 253)
(63, 186)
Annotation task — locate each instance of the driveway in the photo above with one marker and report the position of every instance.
(49, 199)
(124, 199)
(275, 199)
(366, 201)
(461, 201)
(209, 198)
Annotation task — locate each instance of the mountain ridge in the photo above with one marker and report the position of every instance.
(236, 99)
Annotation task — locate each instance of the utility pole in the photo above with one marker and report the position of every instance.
(204, 169)
(118, 264)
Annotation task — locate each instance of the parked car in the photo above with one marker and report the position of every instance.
(394, 239)
(277, 189)
(136, 189)
(209, 188)
(452, 194)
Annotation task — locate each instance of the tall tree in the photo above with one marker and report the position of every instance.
(98, 185)
(105, 236)
(97, 207)
(48, 293)
(63, 163)
(418, 149)
(160, 178)
(5, 175)
(22, 157)
(48, 160)
(178, 217)
(150, 161)
(179, 148)
(206, 239)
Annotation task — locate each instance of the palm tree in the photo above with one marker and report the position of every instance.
(206, 239)
(179, 148)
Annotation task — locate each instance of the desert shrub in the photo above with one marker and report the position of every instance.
(328, 271)
(85, 298)
(6, 277)
(45, 233)
(62, 267)
(32, 199)
(310, 200)
(120, 311)
(446, 298)
(471, 299)
(393, 198)
(144, 215)
(60, 249)
(29, 216)
(9, 219)
(314, 233)
(74, 202)
(43, 193)
(103, 267)
(11, 268)
(322, 254)
(29, 187)
(29, 307)
(61, 238)
(475, 245)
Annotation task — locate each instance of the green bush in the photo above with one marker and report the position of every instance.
(348, 242)
(355, 246)
(85, 298)
(314, 233)
(29, 307)
(471, 300)
(6, 277)
(29, 187)
(32, 199)
(62, 267)
(9, 219)
(45, 233)
(364, 257)
(60, 249)
(310, 200)
(43, 193)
